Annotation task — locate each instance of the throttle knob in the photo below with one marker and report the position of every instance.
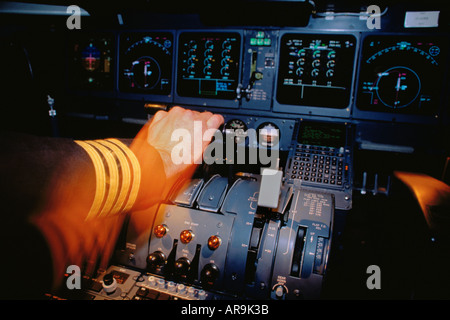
(209, 274)
(156, 259)
(182, 266)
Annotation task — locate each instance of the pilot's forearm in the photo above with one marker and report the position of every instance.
(30, 167)
(39, 172)
(75, 191)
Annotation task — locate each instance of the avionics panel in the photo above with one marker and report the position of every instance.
(401, 77)
(208, 65)
(146, 60)
(315, 70)
(280, 130)
(322, 158)
(91, 61)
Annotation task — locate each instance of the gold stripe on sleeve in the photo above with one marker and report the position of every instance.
(113, 180)
(136, 173)
(100, 178)
(125, 170)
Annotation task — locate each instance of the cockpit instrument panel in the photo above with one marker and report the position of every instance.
(208, 64)
(146, 63)
(92, 62)
(316, 70)
(402, 74)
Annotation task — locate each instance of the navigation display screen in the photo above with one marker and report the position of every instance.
(316, 70)
(402, 74)
(146, 62)
(208, 64)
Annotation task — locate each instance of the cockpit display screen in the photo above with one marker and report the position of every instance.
(146, 63)
(322, 134)
(402, 74)
(91, 63)
(208, 64)
(316, 70)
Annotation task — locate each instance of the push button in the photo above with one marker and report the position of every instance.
(160, 230)
(214, 242)
(186, 236)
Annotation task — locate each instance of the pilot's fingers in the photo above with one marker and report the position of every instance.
(159, 115)
(215, 121)
(212, 124)
(186, 115)
(177, 109)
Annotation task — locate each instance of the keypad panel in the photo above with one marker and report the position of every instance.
(319, 166)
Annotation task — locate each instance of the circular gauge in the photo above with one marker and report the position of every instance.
(236, 124)
(397, 87)
(146, 63)
(90, 57)
(268, 134)
(236, 127)
(434, 51)
(145, 73)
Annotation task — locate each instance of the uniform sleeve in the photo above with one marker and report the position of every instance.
(50, 193)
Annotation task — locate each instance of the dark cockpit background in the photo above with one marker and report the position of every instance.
(325, 74)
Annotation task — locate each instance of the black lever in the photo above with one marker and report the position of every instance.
(298, 250)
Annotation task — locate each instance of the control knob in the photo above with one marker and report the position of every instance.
(280, 292)
(109, 283)
(209, 274)
(156, 259)
(181, 267)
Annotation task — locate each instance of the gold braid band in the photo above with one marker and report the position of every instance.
(112, 182)
(124, 168)
(100, 178)
(136, 173)
(117, 185)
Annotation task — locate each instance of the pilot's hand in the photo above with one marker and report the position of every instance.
(180, 136)
(172, 132)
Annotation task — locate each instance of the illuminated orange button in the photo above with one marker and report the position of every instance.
(186, 236)
(214, 242)
(160, 230)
